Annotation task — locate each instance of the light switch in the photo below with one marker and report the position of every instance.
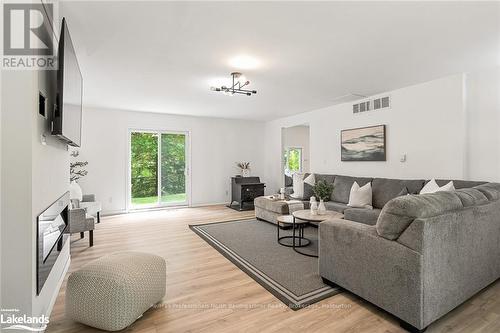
(403, 158)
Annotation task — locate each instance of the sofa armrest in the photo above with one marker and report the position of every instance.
(88, 198)
(381, 271)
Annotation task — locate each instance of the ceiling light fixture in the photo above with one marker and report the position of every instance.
(239, 82)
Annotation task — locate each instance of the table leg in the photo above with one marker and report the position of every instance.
(293, 228)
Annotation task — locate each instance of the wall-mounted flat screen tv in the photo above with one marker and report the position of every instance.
(67, 120)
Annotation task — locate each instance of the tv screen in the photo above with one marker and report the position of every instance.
(67, 122)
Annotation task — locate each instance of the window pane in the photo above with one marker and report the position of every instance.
(294, 159)
(173, 166)
(144, 168)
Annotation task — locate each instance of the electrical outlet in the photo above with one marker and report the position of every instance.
(227, 193)
(110, 199)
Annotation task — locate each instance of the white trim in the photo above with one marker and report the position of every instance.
(187, 203)
(59, 284)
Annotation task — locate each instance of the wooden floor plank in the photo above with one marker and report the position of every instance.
(207, 293)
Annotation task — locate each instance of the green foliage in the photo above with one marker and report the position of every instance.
(293, 159)
(323, 190)
(243, 165)
(144, 164)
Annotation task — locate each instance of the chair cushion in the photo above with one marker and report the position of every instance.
(91, 207)
(362, 215)
(336, 206)
(385, 189)
(342, 187)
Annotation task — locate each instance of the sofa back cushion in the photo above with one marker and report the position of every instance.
(342, 187)
(385, 189)
(400, 212)
(457, 183)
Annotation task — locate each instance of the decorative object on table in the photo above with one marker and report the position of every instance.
(244, 190)
(363, 144)
(77, 170)
(323, 190)
(313, 205)
(321, 207)
(282, 193)
(244, 167)
(129, 284)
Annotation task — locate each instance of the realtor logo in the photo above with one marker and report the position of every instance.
(28, 36)
(26, 29)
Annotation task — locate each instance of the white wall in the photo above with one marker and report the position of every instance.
(298, 137)
(216, 144)
(483, 124)
(425, 122)
(33, 176)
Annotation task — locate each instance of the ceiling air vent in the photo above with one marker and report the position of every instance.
(372, 104)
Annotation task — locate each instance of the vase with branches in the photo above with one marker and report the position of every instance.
(244, 167)
(77, 170)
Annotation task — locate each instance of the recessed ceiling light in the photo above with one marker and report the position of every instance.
(244, 62)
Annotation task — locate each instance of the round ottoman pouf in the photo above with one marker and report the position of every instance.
(112, 292)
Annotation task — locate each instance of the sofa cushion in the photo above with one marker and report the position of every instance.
(458, 183)
(342, 187)
(336, 206)
(385, 189)
(471, 197)
(276, 206)
(362, 215)
(490, 190)
(400, 212)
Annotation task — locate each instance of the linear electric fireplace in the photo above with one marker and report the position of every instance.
(51, 225)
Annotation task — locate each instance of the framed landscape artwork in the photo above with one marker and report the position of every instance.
(363, 144)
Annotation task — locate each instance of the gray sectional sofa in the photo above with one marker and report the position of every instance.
(415, 256)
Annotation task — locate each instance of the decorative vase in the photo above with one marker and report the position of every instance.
(245, 172)
(313, 206)
(282, 193)
(321, 208)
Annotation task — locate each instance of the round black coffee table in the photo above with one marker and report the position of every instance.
(297, 240)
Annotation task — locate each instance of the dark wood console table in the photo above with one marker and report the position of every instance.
(244, 190)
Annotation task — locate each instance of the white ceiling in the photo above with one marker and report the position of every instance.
(164, 56)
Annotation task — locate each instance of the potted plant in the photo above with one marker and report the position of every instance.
(323, 191)
(244, 167)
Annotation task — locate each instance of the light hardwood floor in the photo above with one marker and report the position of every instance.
(207, 293)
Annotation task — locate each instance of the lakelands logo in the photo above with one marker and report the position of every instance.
(11, 319)
(28, 41)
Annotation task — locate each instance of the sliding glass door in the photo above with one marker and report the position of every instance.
(158, 169)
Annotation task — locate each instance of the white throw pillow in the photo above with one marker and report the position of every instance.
(433, 187)
(361, 197)
(298, 186)
(311, 180)
(75, 191)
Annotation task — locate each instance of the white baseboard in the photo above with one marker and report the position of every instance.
(121, 212)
